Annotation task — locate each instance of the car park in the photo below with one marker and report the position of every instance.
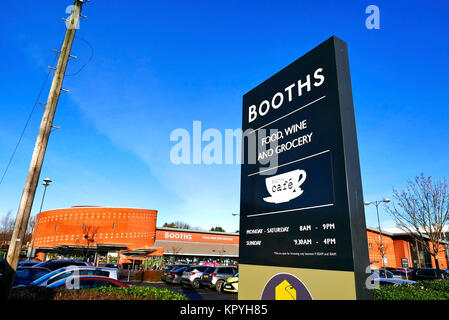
(215, 277)
(85, 282)
(27, 275)
(169, 268)
(74, 271)
(232, 284)
(191, 276)
(57, 264)
(422, 274)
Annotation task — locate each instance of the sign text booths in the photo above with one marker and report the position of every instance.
(302, 228)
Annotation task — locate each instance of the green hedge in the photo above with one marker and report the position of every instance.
(141, 293)
(422, 290)
(103, 293)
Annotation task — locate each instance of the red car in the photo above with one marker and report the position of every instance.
(85, 282)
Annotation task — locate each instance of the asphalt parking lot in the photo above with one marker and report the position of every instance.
(192, 294)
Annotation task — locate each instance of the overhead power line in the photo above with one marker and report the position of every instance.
(38, 102)
(27, 123)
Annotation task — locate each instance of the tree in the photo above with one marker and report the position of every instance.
(422, 211)
(177, 225)
(30, 229)
(218, 229)
(31, 224)
(175, 250)
(221, 253)
(6, 227)
(89, 235)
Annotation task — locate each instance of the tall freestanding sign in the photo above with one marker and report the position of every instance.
(302, 221)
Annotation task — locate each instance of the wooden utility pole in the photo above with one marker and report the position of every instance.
(26, 203)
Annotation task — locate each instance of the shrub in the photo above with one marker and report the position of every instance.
(141, 293)
(103, 293)
(439, 285)
(422, 290)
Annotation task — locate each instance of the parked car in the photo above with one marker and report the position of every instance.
(215, 277)
(175, 275)
(66, 272)
(28, 263)
(57, 264)
(232, 284)
(2, 266)
(85, 282)
(383, 281)
(168, 268)
(26, 275)
(428, 274)
(112, 265)
(403, 273)
(191, 276)
(382, 273)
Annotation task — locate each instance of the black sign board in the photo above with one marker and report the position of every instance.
(404, 262)
(301, 199)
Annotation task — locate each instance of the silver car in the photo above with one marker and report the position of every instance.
(191, 276)
(71, 271)
(215, 277)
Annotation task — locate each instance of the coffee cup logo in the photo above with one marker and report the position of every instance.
(285, 187)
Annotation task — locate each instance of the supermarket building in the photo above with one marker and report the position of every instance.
(131, 236)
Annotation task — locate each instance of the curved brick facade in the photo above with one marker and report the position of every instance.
(88, 226)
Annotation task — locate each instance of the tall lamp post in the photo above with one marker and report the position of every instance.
(46, 183)
(382, 249)
(235, 214)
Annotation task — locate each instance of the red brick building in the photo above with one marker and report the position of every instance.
(399, 246)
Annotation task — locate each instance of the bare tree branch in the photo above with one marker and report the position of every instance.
(422, 210)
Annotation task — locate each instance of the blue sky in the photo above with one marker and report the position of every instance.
(158, 66)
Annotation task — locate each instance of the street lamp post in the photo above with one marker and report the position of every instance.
(382, 249)
(46, 183)
(235, 214)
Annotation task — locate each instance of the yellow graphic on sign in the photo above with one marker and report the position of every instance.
(285, 291)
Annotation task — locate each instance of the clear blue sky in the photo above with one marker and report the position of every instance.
(160, 65)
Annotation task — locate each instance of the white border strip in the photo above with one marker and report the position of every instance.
(282, 211)
(286, 164)
(288, 114)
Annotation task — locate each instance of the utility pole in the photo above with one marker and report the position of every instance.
(37, 159)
